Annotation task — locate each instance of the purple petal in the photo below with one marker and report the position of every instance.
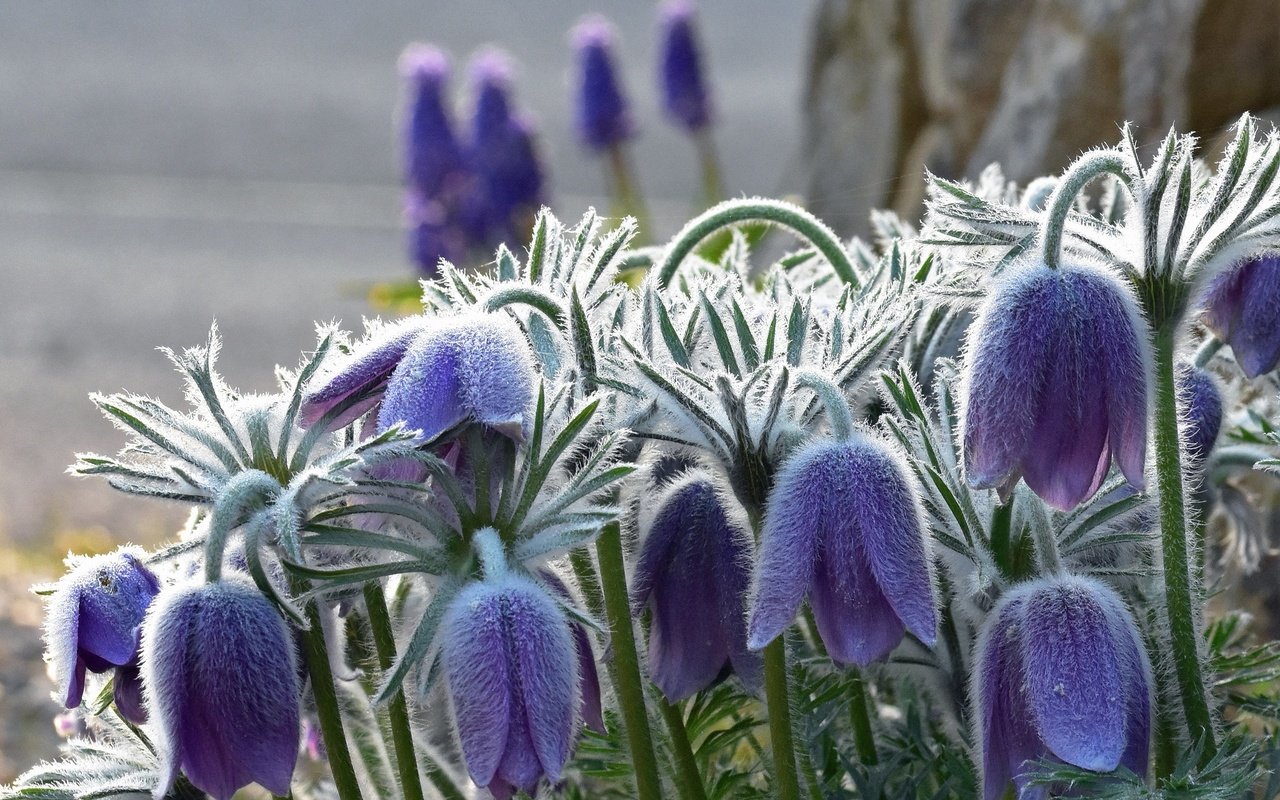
(786, 560)
(519, 766)
(590, 708)
(127, 692)
(424, 391)
(1136, 678)
(1005, 732)
(1009, 344)
(543, 651)
(476, 665)
(1224, 301)
(689, 645)
(165, 638)
(855, 620)
(1125, 355)
(1200, 402)
(364, 376)
(1074, 681)
(1256, 339)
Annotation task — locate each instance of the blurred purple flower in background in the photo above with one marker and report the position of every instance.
(693, 572)
(509, 659)
(1056, 384)
(844, 526)
(93, 623)
(685, 97)
(1061, 673)
(1242, 308)
(221, 678)
(604, 116)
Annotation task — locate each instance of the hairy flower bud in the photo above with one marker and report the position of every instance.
(510, 662)
(1200, 402)
(843, 525)
(432, 375)
(1061, 673)
(1056, 384)
(693, 572)
(604, 118)
(1242, 308)
(221, 680)
(93, 624)
(684, 89)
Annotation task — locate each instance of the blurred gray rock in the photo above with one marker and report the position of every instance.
(898, 86)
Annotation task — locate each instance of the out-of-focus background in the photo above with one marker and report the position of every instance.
(164, 165)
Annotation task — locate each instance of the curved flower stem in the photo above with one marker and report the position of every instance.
(777, 212)
(335, 739)
(626, 673)
(832, 399)
(1179, 591)
(626, 197)
(1208, 349)
(384, 641)
(688, 779)
(1085, 169)
(781, 735)
(709, 161)
(864, 740)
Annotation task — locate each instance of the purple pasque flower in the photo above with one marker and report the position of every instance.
(693, 573)
(604, 116)
(511, 666)
(1242, 308)
(1056, 380)
(504, 152)
(221, 680)
(1061, 673)
(843, 526)
(433, 156)
(684, 89)
(93, 623)
(432, 374)
(1200, 402)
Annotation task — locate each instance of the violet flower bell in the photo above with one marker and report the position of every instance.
(1242, 308)
(93, 623)
(221, 680)
(684, 89)
(604, 116)
(1061, 674)
(693, 573)
(432, 374)
(843, 526)
(511, 666)
(1200, 404)
(1056, 384)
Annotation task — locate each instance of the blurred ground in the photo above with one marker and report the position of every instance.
(163, 165)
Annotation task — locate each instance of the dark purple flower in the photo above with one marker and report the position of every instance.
(1201, 404)
(1242, 308)
(843, 526)
(693, 573)
(504, 152)
(684, 89)
(221, 679)
(1061, 673)
(93, 624)
(604, 118)
(433, 156)
(510, 662)
(433, 374)
(1056, 384)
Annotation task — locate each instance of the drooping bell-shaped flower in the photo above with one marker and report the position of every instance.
(511, 666)
(1200, 402)
(433, 375)
(504, 152)
(433, 157)
(93, 623)
(603, 114)
(693, 573)
(1056, 379)
(684, 90)
(1061, 674)
(1242, 308)
(221, 679)
(843, 526)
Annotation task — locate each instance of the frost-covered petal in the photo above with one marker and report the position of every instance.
(1009, 342)
(1075, 684)
(479, 675)
(221, 678)
(475, 367)
(361, 379)
(1006, 735)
